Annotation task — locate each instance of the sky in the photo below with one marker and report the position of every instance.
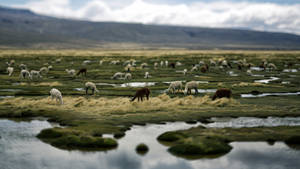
(263, 15)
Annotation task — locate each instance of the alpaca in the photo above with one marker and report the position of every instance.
(114, 62)
(22, 66)
(140, 93)
(82, 71)
(86, 62)
(172, 65)
(92, 86)
(71, 72)
(10, 71)
(147, 75)
(212, 62)
(161, 63)
(55, 93)
(176, 85)
(58, 60)
(25, 74)
(128, 76)
(272, 66)
(204, 68)
(222, 93)
(184, 72)
(100, 62)
(144, 65)
(189, 86)
(178, 63)
(118, 75)
(166, 63)
(44, 70)
(35, 73)
(195, 68)
(155, 65)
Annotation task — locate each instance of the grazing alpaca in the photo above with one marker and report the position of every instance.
(44, 70)
(222, 93)
(176, 85)
(82, 71)
(55, 93)
(189, 86)
(128, 76)
(140, 93)
(155, 65)
(147, 75)
(22, 66)
(212, 62)
(25, 74)
(35, 73)
(161, 63)
(272, 66)
(195, 68)
(166, 63)
(178, 63)
(92, 86)
(204, 68)
(172, 65)
(118, 75)
(144, 65)
(71, 72)
(184, 72)
(10, 71)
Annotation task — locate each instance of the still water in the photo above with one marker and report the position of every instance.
(20, 149)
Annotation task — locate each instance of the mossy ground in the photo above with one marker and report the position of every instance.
(199, 142)
(111, 112)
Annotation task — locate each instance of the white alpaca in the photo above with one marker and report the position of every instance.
(44, 70)
(155, 65)
(184, 72)
(100, 62)
(195, 68)
(249, 72)
(92, 86)
(212, 62)
(25, 74)
(118, 75)
(55, 93)
(126, 62)
(147, 75)
(35, 74)
(114, 62)
(201, 62)
(167, 63)
(10, 71)
(10, 63)
(144, 65)
(71, 72)
(161, 63)
(176, 85)
(272, 66)
(189, 86)
(22, 66)
(128, 76)
(224, 63)
(50, 67)
(58, 60)
(178, 63)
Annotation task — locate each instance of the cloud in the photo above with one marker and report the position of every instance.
(250, 15)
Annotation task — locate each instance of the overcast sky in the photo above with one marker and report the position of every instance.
(267, 15)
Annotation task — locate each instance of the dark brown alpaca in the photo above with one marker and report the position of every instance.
(82, 71)
(204, 68)
(222, 93)
(140, 93)
(172, 65)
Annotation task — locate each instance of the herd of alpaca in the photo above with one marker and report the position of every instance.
(174, 87)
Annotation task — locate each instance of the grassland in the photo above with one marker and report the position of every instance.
(88, 117)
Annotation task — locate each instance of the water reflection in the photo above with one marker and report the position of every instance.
(20, 149)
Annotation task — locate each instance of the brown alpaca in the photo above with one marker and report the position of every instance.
(172, 65)
(222, 93)
(82, 71)
(140, 93)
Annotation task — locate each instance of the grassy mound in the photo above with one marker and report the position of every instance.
(142, 149)
(171, 136)
(74, 140)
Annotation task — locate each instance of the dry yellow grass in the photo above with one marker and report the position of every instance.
(51, 84)
(100, 106)
(245, 84)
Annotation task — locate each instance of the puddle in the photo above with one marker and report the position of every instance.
(4, 97)
(267, 80)
(256, 68)
(285, 82)
(106, 84)
(79, 89)
(10, 90)
(253, 122)
(137, 84)
(256, 75)
(290, 70)
(231, 73)
(269, 94)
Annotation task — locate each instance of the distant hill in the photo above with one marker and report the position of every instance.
(23, 28)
